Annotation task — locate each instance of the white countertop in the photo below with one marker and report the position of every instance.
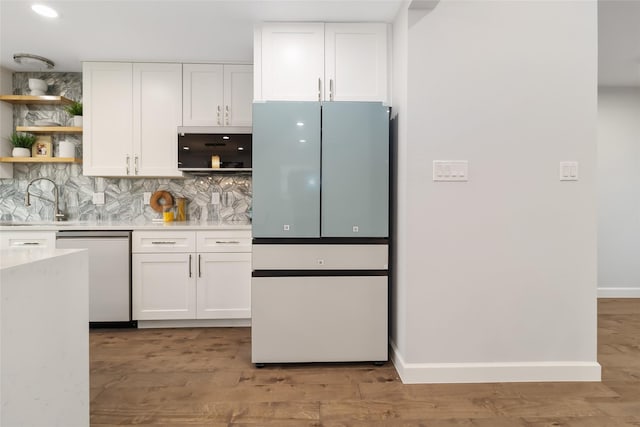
(124, 225)
(10, 258)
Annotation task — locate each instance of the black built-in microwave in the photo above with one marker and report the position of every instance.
(206, 149)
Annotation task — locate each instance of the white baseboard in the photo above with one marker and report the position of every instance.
(432, 373)
(630, 292)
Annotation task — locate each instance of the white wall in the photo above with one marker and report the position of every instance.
(398, 298)
(619, 192)
(6, 122)
(498, 274)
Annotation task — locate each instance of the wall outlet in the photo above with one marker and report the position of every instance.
(146, 197)
(215, 198)
(98, 198)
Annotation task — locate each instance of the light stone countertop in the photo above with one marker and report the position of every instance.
(123, 225)
(10, 258)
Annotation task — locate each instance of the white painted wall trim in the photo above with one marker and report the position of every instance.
(432, 373)
(621, 292)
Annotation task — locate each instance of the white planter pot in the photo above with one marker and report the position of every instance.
(66, 149)
(77, 121)
(21, 152)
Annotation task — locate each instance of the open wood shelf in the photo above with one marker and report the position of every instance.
(36, 100)
(49, 129)
(39, 160)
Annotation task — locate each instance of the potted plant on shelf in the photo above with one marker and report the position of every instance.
(22, 143)
(75, 110)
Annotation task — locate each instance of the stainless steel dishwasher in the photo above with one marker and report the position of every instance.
(109, 274)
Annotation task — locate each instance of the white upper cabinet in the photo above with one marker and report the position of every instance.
(157, 113)
(355, 62)
(217, 94)
(321, 62)
(108, 118)
(132, 112)
(238, 95)
(292, 65)
(202, 94)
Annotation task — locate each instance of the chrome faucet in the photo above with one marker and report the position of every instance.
(58, 216)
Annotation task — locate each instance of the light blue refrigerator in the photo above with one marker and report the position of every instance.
(320, 230)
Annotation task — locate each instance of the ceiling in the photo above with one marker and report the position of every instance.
(222, 30)
(161, 30)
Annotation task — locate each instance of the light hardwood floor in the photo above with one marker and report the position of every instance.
(204, 377)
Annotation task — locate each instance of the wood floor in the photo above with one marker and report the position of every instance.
(204, 377)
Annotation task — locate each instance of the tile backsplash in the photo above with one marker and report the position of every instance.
(123, 196)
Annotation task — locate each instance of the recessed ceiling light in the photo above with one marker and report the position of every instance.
(43, 10)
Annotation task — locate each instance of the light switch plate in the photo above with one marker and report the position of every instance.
(215, 198)
(569, 171)
(146, 197)
(98, 198)
(450, 170)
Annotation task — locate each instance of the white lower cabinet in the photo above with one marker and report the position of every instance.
(175, 278)
(163, 286)
(223, 286)
(27, 239)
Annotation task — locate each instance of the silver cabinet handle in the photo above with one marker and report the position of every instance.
(135, 162)
(126, 162)
(165, 242)
(218, 115)
(319, 89)
(27, 243)
(227, 241)
(330, 89)
(226, 115)
(189, 265)
(199, 265)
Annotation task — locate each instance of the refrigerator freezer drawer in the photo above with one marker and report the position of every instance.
(320, 257)
(319, 319)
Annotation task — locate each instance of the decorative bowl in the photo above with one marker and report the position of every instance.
(38, 85)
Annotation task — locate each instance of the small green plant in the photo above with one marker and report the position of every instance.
(74, 109)
(22, 140)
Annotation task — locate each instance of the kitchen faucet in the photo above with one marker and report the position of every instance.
(58, 216)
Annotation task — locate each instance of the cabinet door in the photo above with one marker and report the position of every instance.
(356, 62)
(157, 113)
(355, 169)
(108, 119)
(164, 286)
(238, 95)
(224, 286)
(202, 92)
(286, 169)
(292, 61)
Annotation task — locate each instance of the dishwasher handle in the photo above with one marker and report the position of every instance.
(66, 234)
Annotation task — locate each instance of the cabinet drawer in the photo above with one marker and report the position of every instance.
(318, 319)
(28, 239)
(224, 241)
(163, 241)
(320, 257)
